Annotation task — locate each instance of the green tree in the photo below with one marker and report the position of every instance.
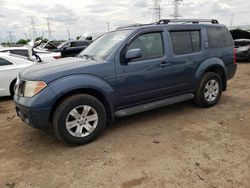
(22, 41)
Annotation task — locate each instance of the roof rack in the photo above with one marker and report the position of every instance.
(194, 21)
(131, 25)
(134, 25)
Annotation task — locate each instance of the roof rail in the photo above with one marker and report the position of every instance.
(134, 25)
(131, 25)
(167, 21)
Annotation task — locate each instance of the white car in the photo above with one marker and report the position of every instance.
(43, 56)
(10, 66)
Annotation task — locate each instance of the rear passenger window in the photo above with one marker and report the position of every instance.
(185, 42)
(21, 52)
(4, 62)
(196, 41)
(218, 37)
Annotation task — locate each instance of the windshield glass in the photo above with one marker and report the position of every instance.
(101, 48)
(62, 45)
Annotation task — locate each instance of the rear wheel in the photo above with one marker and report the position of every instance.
(209, 90)
(79, 119)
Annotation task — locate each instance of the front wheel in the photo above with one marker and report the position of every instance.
(79, 119)
(209, 90)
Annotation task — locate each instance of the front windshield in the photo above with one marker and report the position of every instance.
(62, 44)
(102, 47)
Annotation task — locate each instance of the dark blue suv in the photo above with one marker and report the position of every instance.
(127, 71)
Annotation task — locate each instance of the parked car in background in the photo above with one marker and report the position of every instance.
(242, 49)
(71, 48)
(49, 45)
(10, 66)
(91, 36)
(40, 55)
(127, 71)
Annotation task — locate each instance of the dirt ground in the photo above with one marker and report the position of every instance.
(175, 146)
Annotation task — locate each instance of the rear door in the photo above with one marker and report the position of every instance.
(7, 75)
(189, 50)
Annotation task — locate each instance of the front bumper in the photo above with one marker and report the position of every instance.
(35, 111)
(38, 118)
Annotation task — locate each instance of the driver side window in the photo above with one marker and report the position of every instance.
(151, 45)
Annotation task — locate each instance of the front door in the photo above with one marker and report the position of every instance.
(146, 78)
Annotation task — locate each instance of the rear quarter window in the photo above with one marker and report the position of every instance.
(4, 62)
(185, 42)
(219, 37)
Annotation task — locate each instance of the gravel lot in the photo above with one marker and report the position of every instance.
(175, 146)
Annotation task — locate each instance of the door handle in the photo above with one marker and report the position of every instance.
(164, 64)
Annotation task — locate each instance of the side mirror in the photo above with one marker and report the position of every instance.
(133, 54)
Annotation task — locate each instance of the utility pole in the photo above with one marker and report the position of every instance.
(108, 26)
(25, 36)
(49, 29)
(156, 10)
(30, 35)
(34, 34)
(235, 14)
(232, 19)
(11, 37)
(176, 3)
(68, 34)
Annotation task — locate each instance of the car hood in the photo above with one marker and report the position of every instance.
(63, 67)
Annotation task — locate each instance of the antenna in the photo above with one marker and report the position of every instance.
(176, 3)
(156, 10)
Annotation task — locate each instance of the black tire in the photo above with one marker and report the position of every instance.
(200, 98)
(12, 88)
(63, 110)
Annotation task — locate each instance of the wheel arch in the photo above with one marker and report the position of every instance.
(12, 85)
(90, 91)
(212, 65)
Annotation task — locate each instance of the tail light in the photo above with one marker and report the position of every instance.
(235, 56)
(57, 57)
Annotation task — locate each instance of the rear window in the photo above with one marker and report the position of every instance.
(79, 43)
(219, 37)
(185, 42)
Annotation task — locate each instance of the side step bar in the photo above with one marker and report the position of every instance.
(152, 105)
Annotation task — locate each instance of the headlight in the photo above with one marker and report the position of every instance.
(33, 87)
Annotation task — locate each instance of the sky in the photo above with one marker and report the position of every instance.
(84, 16)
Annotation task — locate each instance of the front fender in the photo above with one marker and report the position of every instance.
(67, 84)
